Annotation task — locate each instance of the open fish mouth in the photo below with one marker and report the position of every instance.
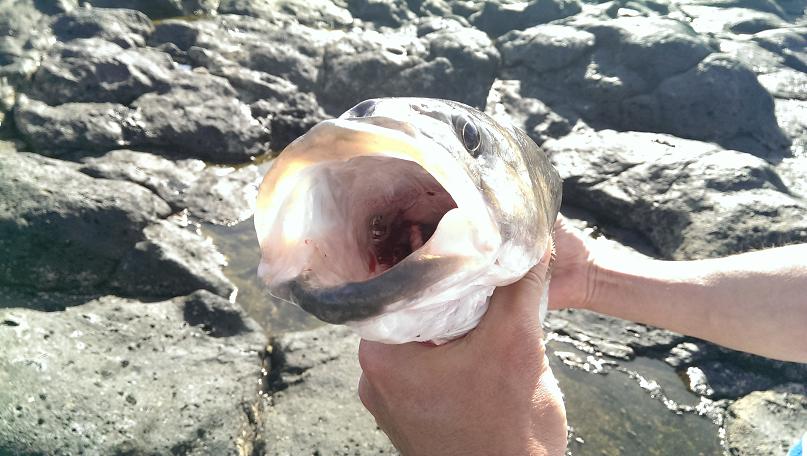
(361, 214)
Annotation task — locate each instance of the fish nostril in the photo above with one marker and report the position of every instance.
(363, 109)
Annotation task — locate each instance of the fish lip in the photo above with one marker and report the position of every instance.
(362, 300)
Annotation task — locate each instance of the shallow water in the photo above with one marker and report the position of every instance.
(611, 414)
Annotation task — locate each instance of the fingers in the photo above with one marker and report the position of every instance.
(514, 310)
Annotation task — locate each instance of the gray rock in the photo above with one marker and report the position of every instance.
(287, 50)
(689, 199)
(704, 104)
(170, 261)
(25, 35)
(789, 42)
(496, 18)
(94, 70)
(545, 47)
(313, 13)
(188, 122)
(505, 102)
(610, 336)
(61, 229)
(115, 376)
(315, 408)
(168, 179)
(766, 423)
(124, 27)
(220, 195)
(157, 9)
(687, 353)
(72, 126)
(390, 13)
(458, 64)
(792, 116)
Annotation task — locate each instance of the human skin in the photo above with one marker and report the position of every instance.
(755, 302)
(490, 392)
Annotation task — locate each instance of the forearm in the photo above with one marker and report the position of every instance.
(754, 302)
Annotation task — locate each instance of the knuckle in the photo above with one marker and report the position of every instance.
(370, 359)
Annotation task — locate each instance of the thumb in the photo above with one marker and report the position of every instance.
(515, 307)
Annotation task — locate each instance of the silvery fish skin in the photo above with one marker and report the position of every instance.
(400, 217)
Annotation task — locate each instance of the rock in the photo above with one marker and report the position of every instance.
(720, 21)
(188, 122)
(72, 126)
(610, 336)
(25, 36)
(223, 195)
(496, 18)
(63, 230)
(124, 27)
(719, 379)
(220, 195)
(689, 199)
(790, 43)
(313, 13)
(390, 13)
(121, 376)
(687, 353)
(453, 64)
(158, 9)
(94, 70)
(704, 104)
(506, 103)
(766, 423)
(289, 51)
(315, 408)
(170, 261)
(545, 47)
(169, 179)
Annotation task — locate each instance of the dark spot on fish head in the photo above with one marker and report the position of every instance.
(363, 109)
(468, 133)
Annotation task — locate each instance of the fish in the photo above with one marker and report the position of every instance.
(400, 217)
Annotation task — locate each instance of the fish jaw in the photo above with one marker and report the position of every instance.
(312, 227)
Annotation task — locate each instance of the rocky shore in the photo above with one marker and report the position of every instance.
(129, 128)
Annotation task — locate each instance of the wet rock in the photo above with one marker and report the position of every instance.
(94, 70)
(170, 261)
(221, 195)
(125, 27)
(61, 229)
(121, 376)
(458, 64)
(719, 379)
(766, 423)
(689, 199)
(496, 18)
(390, 13)
(188, 122)
(315, 407)
(157, 9)
(611, 336)
(72, 126)
(316, 13)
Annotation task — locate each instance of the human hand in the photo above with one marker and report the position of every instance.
(574, 272)
(490, 392)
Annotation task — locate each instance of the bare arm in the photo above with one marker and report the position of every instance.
(755, 302)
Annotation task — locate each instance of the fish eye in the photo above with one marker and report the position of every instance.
(469, 135)
(363, 109)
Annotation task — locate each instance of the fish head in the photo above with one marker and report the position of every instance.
(401, 216)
